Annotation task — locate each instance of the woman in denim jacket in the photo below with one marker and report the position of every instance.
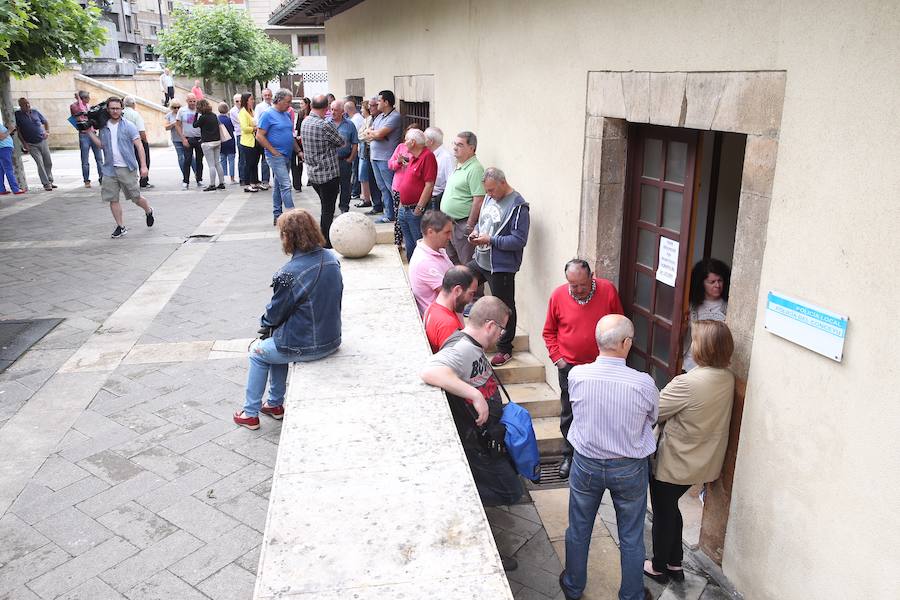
(302, 322)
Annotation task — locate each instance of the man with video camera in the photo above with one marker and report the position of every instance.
(123, 158)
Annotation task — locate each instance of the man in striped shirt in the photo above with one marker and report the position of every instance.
(614, 408)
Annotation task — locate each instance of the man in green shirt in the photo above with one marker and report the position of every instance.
(463, 197)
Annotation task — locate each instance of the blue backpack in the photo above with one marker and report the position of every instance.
(520, 441)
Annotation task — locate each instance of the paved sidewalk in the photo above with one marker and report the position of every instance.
(132, 480)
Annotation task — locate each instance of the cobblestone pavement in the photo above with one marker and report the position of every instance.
(151, 491)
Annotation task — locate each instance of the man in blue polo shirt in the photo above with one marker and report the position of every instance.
(33, 132)
(346, 154)
(275, 133)
(385, 135)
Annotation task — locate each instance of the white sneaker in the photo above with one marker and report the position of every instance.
(200, 183)
(184, 186)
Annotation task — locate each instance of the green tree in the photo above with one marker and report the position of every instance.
(222, 43)
(37, 37)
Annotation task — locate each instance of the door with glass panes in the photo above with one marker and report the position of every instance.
(658, 219)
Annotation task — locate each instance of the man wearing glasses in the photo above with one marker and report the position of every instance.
(462, 370)
(123, 159)
(615, 408)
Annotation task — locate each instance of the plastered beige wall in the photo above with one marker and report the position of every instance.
(815, 498)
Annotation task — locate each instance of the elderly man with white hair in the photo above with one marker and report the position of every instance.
(415, 187)
(133, 116)
(614, 409)
(434, 140)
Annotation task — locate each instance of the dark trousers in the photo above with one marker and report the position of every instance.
(435, 203)
(503, 286)
(192, 152)
(145, 180)
(328, 193)
(297, 171)
(242, 159)
(565, 408)
(251, 164)
(667, 523)
(346, 178)
(495, 478)
(170, 93)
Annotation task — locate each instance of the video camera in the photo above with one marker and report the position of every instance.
(97, 117)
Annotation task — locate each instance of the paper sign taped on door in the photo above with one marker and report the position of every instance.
(667, 268)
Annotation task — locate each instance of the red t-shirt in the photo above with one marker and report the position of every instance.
(418, 172)
(440, 323)
(569, 331)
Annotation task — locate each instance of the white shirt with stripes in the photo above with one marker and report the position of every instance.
(614, 408)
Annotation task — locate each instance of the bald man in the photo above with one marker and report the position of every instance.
(614, 408)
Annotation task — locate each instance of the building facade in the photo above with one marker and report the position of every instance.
(647, 135)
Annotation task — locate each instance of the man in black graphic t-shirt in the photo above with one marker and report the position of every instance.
(464, 372)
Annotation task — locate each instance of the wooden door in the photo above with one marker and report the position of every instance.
(660, 201)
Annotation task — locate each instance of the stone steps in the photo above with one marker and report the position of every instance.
(539, 399)
(520, 343)
(523, 368)
(549, 439)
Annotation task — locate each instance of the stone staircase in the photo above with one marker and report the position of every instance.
(525, 378)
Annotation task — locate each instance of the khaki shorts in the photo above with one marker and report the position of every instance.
(125, 180)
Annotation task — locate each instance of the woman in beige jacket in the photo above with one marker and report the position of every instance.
(694, 414)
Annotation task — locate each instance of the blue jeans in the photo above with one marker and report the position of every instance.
(384, 177)
(179, 150)
(227, 164)
(265, 360)
(411, 227)
(7, 171)
(264, 159)
(281, 188)
(85, 145)
(626, 479)
(357, 189)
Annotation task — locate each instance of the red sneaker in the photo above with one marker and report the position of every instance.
(248, 422)
(5, 193)
(19, 193)
(501, 358)
(276, 412)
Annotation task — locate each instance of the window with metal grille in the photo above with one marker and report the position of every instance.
(356, 87)
(415, 112)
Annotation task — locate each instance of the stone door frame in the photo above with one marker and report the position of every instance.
(747, 102)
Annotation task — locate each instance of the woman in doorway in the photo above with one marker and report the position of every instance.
(248, 143)
(302, 322)
(710, 282)
(694, 417)
(211, 143)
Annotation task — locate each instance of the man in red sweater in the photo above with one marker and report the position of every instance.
(572, 316)
(443, 317)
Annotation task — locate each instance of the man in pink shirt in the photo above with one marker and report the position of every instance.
(430, 261)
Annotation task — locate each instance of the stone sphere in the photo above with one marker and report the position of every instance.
(353, 235)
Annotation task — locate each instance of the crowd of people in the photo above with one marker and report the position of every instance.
(463, 226)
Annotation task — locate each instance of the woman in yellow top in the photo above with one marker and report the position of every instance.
(248, 141)
(695, 414)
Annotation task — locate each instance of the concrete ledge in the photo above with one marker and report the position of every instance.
(372, 496)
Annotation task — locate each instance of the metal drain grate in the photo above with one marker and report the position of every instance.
(549, 475)
(200, 238)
